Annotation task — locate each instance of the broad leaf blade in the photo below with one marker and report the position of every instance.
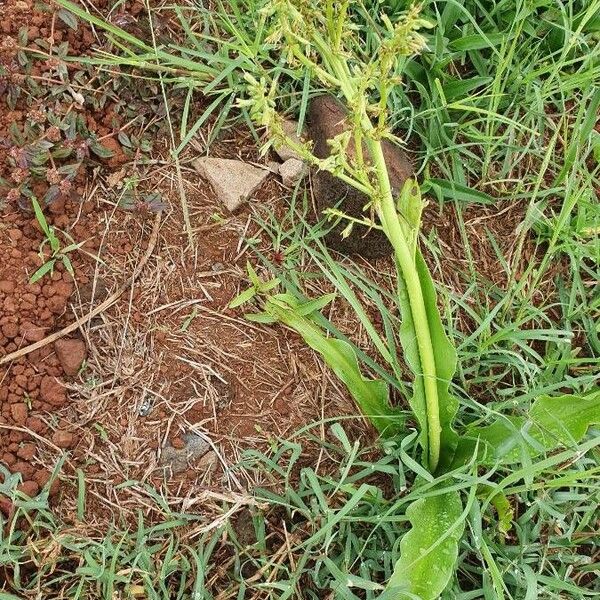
(428, 552)
(553, 422)
(371, 395)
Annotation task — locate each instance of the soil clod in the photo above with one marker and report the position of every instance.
(327, 118)
(71, 354)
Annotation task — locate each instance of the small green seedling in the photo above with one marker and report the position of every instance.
(58, 253)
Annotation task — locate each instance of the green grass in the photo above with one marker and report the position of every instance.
(501, 112)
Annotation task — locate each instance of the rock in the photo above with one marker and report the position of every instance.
(292, 171)
(177, 459)
(31, 332)
(27, 451)
(6, 506)
(70, 353)
(18, 412)
(178, 443)
(7, 287)
(29, 488)
(326, 120)
(62, 439)
(52, 392)
(233, 181)
(10, 330)
(285, 152)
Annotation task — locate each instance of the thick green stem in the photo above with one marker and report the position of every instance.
(386, 210)
(388, 215)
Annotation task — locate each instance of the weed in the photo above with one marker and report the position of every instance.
(58, 253)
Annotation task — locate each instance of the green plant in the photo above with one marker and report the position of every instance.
(323, 44)
(57, 251)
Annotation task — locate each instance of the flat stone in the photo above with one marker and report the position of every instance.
(292, 171)
(233, 181)
(178, 459)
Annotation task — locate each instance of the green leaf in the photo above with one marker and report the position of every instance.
(43, 270)
(68, 18)
(315, 305)
(457, 89)
(66, 261)
(477, 41)
(253, 275)
(41, 218)
(243, 297)
(371, 395)
(445, 361)
(429, 550)
(101, 151)
(552, 422)
(450, 190)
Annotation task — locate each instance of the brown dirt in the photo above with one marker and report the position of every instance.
(170, 342)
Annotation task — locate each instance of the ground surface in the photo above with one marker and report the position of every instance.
(149, 405)
(169, 358)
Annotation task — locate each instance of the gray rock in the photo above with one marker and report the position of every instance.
(285, 152)
(233, 181)
(178, 459)
(292, 171)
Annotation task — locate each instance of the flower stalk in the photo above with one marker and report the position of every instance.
(325, 43)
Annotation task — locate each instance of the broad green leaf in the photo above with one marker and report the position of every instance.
(428, 552)
(68, 18)
(243, 297)
(552, 422)
(445, 360)
(40, 217)
(371, 395)
(101, 151)
(456, 89)
(477, 41)
(315, 305)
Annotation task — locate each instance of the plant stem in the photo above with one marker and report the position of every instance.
(387, 213)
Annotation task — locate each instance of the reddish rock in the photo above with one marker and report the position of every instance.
(18, 412)
(42, 477)
(31, 332)
(8, 458)
(10, 330)
(7, 287)
(178, 443)
(52, 392)
(70, 353)
(26, 451)
(35, 424)
(29, 488)
(63, 439)
(6, 506)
